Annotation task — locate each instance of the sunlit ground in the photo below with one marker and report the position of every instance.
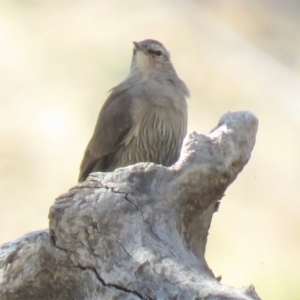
(58, 59)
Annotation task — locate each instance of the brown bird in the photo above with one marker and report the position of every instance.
(144, 118)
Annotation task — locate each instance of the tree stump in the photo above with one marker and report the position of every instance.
(139, 232)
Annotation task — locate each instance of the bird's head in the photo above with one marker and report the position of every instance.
(151, 54)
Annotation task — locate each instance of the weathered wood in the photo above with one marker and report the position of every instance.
(139, 232)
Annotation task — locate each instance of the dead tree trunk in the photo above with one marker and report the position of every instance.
(137, 233)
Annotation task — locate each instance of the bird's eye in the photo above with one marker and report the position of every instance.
(155, 52)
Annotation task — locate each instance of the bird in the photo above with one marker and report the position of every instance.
(144, 118)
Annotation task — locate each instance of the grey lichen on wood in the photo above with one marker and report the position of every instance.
(139, 232)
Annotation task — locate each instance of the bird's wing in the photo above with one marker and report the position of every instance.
(113, 125)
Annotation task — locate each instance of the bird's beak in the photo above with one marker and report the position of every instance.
(138, 47)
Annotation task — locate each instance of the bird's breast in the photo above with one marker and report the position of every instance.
(156, 136)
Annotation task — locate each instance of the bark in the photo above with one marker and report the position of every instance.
(139, 232)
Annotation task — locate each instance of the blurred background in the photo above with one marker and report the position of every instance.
(58, 59)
